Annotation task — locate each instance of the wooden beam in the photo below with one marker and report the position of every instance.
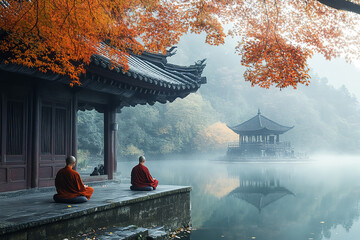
(73, 114)
(344, 5)
(110, 141)
(36, 141)
(114, 132)
(3, 127)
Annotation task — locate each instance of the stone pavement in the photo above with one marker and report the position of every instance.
(34, 208)
(131, 232)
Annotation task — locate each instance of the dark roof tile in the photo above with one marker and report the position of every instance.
(260, 124)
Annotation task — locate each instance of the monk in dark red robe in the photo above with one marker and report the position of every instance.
(141, 178)
(69, 187)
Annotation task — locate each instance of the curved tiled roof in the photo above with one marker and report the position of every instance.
(153, 68)
(260, 125)
(149, 79)
(163, 75)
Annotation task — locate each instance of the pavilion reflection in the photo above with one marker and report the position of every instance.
(260, 189)
(263, 205)
(259, 194)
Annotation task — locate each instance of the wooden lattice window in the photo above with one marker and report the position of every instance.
(60, 131)
(15, 128)
(53, 130)
(46, 130)
(1, 131)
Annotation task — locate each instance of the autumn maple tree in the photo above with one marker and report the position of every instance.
(276, 37)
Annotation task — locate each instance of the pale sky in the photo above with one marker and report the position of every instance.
(339, 73)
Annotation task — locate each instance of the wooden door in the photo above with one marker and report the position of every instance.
(14, 165)
(54, 140)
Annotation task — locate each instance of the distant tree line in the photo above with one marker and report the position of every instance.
(325, 119)
(179, 127)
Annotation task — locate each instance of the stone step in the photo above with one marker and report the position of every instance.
(33, 215)
(124, 233)
(131, 232)
(158, 233)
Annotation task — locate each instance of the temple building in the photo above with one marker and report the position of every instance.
(38, 111)
(260, 137)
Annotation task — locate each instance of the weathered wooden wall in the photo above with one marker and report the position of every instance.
(38, 129)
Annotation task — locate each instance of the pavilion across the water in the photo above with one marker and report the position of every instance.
(260, 137)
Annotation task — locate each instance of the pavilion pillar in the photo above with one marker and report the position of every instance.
(35, 163)
(277, 138)
(114, 132)
(74, 117)
(110, 127)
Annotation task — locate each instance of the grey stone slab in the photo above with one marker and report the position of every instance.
(158, 233)
(131, 232)
(36, 208)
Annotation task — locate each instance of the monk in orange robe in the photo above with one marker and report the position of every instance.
(69, 187)
(141, 178)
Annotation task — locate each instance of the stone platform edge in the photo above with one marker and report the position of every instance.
(106, 206)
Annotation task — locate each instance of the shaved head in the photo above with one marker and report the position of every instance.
(141, 159)
(70, 160)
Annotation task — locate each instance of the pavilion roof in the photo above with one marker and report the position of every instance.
(259, 125)
(149, 79)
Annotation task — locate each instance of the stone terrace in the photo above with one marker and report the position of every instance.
(32, 214)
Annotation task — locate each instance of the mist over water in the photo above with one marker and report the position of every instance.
(233, 200)
(313, 200)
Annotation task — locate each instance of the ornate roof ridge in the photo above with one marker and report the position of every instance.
(260, 122)
(161, 59)
(276, 122)
(245, 122)
(259, 116)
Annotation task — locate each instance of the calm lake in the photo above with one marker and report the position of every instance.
(265, 201)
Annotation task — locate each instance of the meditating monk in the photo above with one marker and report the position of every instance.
(141, 179)
(69, 187)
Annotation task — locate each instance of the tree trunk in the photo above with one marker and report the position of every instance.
(345, 5)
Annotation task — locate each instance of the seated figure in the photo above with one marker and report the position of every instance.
(141, 180)
(95, 172)
(69, 187)
(101, 169)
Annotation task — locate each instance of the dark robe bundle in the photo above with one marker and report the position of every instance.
(140, 177)
(69, 185)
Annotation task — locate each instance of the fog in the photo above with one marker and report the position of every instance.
(185, 143)
(235, 200)
(325, 115)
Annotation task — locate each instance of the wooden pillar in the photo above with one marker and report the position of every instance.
(110, 141)
(73, 135)
(114, 132)
(35, 141)
(277, 138)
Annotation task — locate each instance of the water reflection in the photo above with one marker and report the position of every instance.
(266, 201)
(259, 193)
